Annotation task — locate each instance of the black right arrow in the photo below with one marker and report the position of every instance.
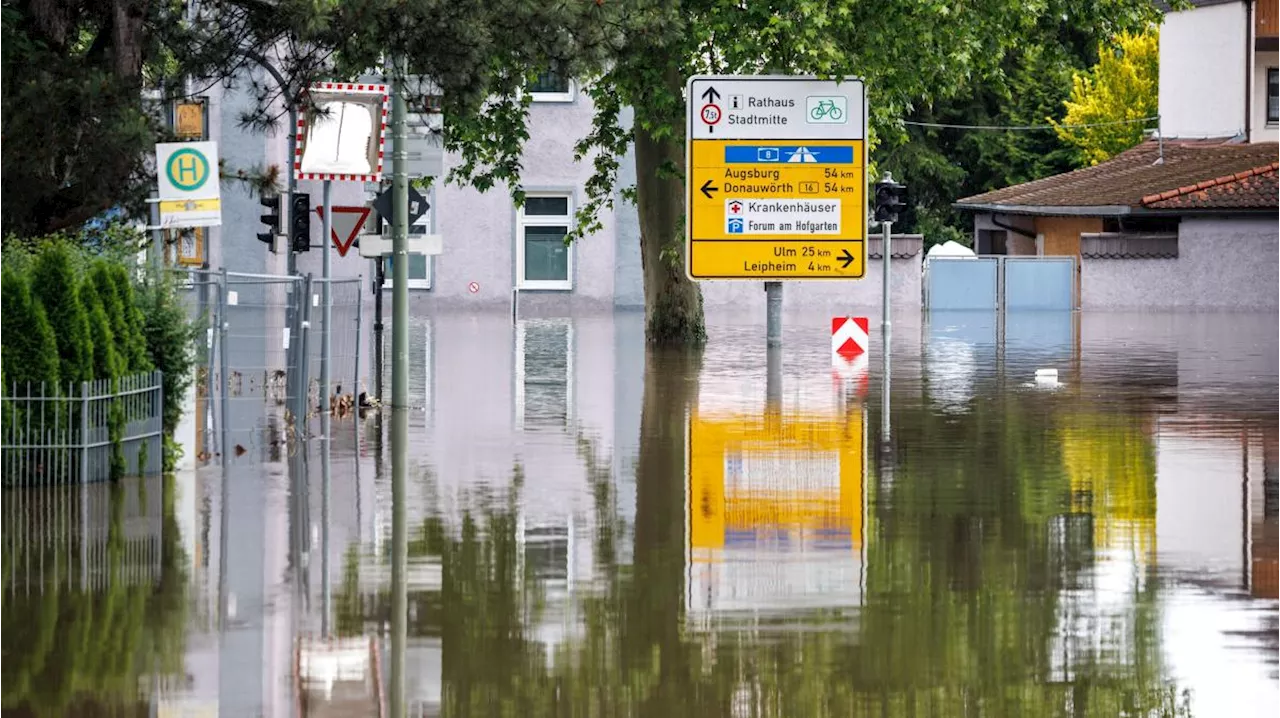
(707, 189)
(711, 95)
(845, 259)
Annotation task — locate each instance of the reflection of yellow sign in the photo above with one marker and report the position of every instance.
(754, 476)
(1110, 465)
(781, 209)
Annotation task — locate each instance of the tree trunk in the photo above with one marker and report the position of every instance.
(655, 604)
(672, 303)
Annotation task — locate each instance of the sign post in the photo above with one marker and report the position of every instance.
(777, 181)
(341, 139)
(189, 186)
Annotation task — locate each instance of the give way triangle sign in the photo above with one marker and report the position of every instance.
(347, 222)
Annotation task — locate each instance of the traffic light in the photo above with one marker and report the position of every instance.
(271, 219)
(300, 222)
(890, 200)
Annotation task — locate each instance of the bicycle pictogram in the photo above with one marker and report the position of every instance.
(826, 109)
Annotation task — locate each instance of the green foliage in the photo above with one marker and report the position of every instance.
(1121, 88)
(1030, 84)
(107, 362)
(77, 135)
(170, 338)
(111, 281)
(57, 288)
(30, 347)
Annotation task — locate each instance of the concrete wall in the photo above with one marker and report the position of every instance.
(1223, 263)
(1202, 71)
(1259, 130)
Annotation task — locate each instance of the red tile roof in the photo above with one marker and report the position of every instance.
(1253, 188)
(1129, 179)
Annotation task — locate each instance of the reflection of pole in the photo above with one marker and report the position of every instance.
(886, 254)
(773, 314)
(773, 381)
(399, 389)
(326, 593)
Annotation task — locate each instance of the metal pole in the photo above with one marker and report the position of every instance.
(380, 276)
(157, 235)
(773, 381)
(355, 379)
(399, 389)
(326, 300)
(886, 251)
(222, 365)
(773, 314)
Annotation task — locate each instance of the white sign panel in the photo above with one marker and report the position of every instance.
(372, 245)
(756, 107)
(187, 174)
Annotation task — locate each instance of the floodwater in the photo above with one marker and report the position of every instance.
(600, 530)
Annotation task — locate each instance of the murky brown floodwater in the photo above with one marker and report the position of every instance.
(597, 530)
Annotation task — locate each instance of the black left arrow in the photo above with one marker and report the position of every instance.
(707, 189)
(711, 95)
(845, 259)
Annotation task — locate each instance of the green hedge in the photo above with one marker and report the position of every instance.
(77, 308)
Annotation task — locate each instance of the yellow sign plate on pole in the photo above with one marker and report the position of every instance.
(776, 169)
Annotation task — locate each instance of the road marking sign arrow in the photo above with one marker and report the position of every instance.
(708, 190)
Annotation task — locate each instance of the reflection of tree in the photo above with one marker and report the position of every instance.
(968, 602)
(967, 597)
(82, 652)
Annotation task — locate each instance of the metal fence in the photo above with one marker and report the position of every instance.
(52, 435)
(261, 359)
(86, 536)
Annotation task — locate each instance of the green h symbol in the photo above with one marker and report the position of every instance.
(188, 171)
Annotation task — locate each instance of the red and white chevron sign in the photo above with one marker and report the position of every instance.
(849, 337)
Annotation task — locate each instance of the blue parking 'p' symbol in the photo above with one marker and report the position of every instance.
(735, 225)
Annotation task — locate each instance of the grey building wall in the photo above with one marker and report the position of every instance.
(1223, 263)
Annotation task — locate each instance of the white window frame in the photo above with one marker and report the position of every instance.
(570, 342)
(523, 222)
(420, 227)
(422, 283)
(562, 97)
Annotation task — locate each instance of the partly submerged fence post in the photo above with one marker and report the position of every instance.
(83, 442)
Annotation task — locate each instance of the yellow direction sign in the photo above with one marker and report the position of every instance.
(776, 169)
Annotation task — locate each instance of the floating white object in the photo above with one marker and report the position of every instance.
(1046, 377)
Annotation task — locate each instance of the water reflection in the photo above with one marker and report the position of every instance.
(94, 599)
(1014, 563)
(601, 529)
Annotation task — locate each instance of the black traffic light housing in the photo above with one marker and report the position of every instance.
(891, 198)
(300, 222)
(271, 219)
